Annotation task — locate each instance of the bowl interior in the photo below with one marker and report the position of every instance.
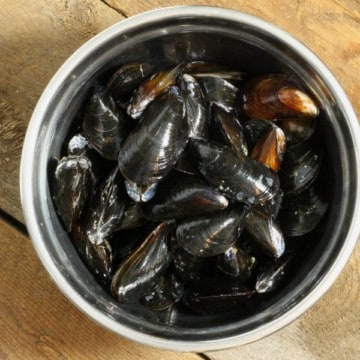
(165, 43)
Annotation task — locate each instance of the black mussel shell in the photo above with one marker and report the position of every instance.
(190, 267)
(185, 200)
(297, 130)
(274, 97)
(300, 168)
(265, 230)
(139, 273)
(221, 92)
(107, 209)
(255, 129)
(156, 143)
(126, 79)
(104, 125)
(132, 216)
(195, 105)
(228, 129)
(301, 214)
(72, 186)
(212, 234)
(151, 89)
(185, 164)
(167, 291)
(240, 178)
(273, 206)
(236, 263)
(271, 274)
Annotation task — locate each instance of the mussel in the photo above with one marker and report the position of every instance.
(107, 209)
(265, 230)
(78, 145)
(202, 69)
(255, 129)
(185, 200)
(156, 143)
(72, 186)
(104, 125)
(152, 88)
(275, 97)
(213, 234)
(195, 104)
(139, 273)
(297, 130)
(301, 214)
(240, 178)
(227, 126)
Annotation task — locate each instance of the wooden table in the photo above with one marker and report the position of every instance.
(37, 322)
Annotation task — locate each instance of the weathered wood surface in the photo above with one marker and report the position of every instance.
(37, 322)
(35, 38)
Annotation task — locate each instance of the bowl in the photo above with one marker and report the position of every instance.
(166, 37)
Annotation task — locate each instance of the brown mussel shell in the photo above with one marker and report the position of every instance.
(138, 273)
(275, 97)
(270, 149)
(185, 200)
(227, 126)
(266, 232)
(104, 125)
(72, 185)
(240, 178)
(157, 141)
(212, 234)
(151, 89)
(195, 105)
(254, 130)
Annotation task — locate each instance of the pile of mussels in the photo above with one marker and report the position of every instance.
(185, 186)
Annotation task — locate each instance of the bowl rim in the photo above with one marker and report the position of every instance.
(35, 228)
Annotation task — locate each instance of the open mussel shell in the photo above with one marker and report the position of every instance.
(227, 128)
(104, 125)
(190, 267)
(185, 200)
(236, 263)
(275, 97)
(238, 177)
(107, 208)
(72, 186)
(167, 291)
(126, 79)
(195, 105)
(266, 232)
(300, 167)
(301, 214)
(151, 89)
(138, 273)
(155, 145)
(202, 69)
(270, 149)
(297, 130)
(271, 275)
(212, 234)
(221, 92)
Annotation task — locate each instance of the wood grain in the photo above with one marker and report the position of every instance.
(37, 322)
(36, 37)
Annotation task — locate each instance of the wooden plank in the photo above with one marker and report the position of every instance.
(36, 38)
(37, 322)
(330, 330)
